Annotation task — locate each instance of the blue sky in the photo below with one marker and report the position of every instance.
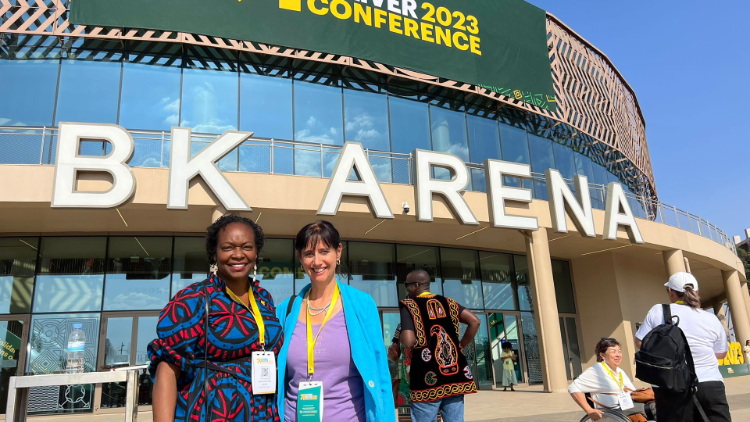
(689, 64)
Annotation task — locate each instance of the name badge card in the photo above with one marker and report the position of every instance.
(310, 401)
(264, 373)
(625, 400)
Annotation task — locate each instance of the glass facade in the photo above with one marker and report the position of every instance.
(116, 285)
(154, 86)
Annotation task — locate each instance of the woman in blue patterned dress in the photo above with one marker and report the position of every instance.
(189, 365)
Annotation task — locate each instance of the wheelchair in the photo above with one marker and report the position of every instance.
(649, 411)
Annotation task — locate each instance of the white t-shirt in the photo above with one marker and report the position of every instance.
(703, 332)
(598, 381)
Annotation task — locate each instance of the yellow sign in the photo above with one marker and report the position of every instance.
(734, 355)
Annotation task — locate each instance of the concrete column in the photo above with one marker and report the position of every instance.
(721, 315)
(737, 307)
(674, 261)
(746, 296)
(545, 311)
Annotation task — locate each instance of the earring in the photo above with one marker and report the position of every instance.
(214, 268)
(255, 273)
(338, 261)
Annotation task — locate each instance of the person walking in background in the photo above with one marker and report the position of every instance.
(333, 365)
(509, 368)
(440, 375)
(707, 341)
(203, 363)
(746, 350)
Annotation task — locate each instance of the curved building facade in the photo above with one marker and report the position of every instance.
(551, 288)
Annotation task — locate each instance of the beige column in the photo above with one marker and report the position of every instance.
(746, 297)
(545, 311)
(674, 261)
(737, 307)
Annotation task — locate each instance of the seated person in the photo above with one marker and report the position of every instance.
(608, 385)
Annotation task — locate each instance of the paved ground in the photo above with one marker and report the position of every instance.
(525, 405)
(531, 405)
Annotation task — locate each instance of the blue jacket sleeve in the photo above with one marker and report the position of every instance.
(375, 334)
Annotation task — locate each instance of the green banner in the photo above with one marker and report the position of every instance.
(497, 44)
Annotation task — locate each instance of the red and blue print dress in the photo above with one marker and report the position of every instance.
(232, 337)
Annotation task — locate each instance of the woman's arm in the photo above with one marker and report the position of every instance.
(580, 399)
(165, 392)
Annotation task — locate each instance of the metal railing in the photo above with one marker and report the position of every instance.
(35, 145)
(18, 389)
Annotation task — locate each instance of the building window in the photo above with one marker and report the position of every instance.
(266, 105)
(563, 287)
(541, 160)
(89, 86)
(17, 265)
(210, 100)
(151, 93)
(276, 268)
(410, 258)
(190, 262)
(138, 273)
(460, 269)
(371, 270)
(71, 274)
(497, 280)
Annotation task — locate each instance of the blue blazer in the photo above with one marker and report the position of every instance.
(368, 350)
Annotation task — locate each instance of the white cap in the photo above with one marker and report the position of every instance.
(678, 281)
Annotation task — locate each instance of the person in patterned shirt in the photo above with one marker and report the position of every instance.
(440, 375)
(202, 362)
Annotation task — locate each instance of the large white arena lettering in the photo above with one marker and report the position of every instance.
(562, 201)
(182, 169)
(426, 186)
(70, 164)
(353, 157)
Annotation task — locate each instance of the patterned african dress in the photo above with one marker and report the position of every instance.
(232, 337)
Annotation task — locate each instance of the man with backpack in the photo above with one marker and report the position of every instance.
(680, 345)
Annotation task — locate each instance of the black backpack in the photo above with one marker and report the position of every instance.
(665, 359)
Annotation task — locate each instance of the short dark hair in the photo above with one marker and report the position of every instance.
(602, 347)
(319, 231)
(213, 231)
(507, 345)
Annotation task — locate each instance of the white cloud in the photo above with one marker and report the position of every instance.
(170, 106)
(312, 121)
(365, 135)
(360, 121)
(172, 120)
(305, 135)
(333, 131)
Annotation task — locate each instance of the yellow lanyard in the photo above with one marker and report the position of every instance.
(680, 302)
(620, 384)
(312, 340)
(255, 311)
(424, 294)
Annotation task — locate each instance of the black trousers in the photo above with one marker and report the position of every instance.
(672, 407)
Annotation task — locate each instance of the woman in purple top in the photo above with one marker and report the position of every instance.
(333, 337)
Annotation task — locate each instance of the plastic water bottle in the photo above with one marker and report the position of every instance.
(76, 350)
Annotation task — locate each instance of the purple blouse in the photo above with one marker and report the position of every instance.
(343, 391)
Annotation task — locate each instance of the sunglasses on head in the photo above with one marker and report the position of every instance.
(608, 339)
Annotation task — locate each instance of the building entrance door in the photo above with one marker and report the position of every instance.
(14, 335)
(504, 329)
(571, 345)
(123, 339)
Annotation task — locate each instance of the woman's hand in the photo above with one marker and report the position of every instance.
(595, 414)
